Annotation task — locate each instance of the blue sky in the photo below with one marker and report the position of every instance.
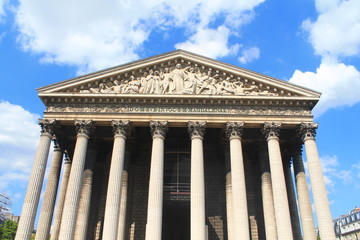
(314, 43)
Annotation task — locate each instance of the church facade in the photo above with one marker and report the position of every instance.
(177, 146)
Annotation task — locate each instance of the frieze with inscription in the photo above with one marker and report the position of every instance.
(177, 79)
(134, 109)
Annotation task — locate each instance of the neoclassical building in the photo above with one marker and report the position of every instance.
(177, 146)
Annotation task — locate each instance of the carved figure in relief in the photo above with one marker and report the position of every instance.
(133, 86)
(143, 81)
(191, 81)
(164, 77)
(177, 78)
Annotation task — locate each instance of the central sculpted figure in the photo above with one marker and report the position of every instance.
(177, 78)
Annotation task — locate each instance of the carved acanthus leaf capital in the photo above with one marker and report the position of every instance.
(158, 129)
(234, 129)
(271, 130)
(47, 126)
(307, 130)
(84, 128)
(67, 158)
(196, 129)
(120, 128)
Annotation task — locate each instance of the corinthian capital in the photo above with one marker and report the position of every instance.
(158, 129)
(120, 128)
(196, 129)
(84, 128)
(234, 129)
(307, 130)
(271, 130)
(47, 126)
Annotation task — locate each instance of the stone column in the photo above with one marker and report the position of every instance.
(229, 208)
(31, 201)
(240, 210)
(282, 213)
(155, 200)
(197, 200)
(112, 207)
(267, 194)
(294, 212)
(83, 211)
(306, 215)
(73, 192)
(61, 199)
(228, 188)
(322, 207)
(123, 205)
(47, 209)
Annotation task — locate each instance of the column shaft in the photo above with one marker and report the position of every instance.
(294, 213)
(47, 210)
(321, 202)
(83, 212)
(306, 214)
(123, 205)
(229, 209)
(240, 210)
(267, 196)
(197, 198)
(282, 212)
(155, 200)
(31, 202)
(112, 207)
(68, 221)
(61, 200)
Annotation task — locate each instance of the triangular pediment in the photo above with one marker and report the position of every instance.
(177, 73)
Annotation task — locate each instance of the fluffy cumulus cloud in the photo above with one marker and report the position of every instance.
(19, 134)
(249, 55)
(338, 83)
(94, 35)
(334, 34)
(210, 42)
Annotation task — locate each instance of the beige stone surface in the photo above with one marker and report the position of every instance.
(61, 199)
(73, 192)
(29, 209)
(306, 214)
(47, 209)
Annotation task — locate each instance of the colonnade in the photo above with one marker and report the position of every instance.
(274, 190)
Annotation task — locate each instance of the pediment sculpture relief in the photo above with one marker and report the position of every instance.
(179, 80)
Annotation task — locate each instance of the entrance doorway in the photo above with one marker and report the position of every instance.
(176, 220)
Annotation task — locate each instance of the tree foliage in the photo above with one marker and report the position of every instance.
(8, 231)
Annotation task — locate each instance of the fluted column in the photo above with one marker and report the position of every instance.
(282, 213)
(197, 200)
(294, 212)
(240, 210)
(61, 199)
(123, 205)
(83, 212)
(112, 207)
(31, 201)
(47, 209)
(267, 195)
(229, 208)
(68, 220)
(155, 200)
(322, 207)
(306, 215)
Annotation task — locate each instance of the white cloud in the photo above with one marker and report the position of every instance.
(336, 32)
(249, 55)
(93, 35)
(19, 134)
(210, 42)
(338, 83)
